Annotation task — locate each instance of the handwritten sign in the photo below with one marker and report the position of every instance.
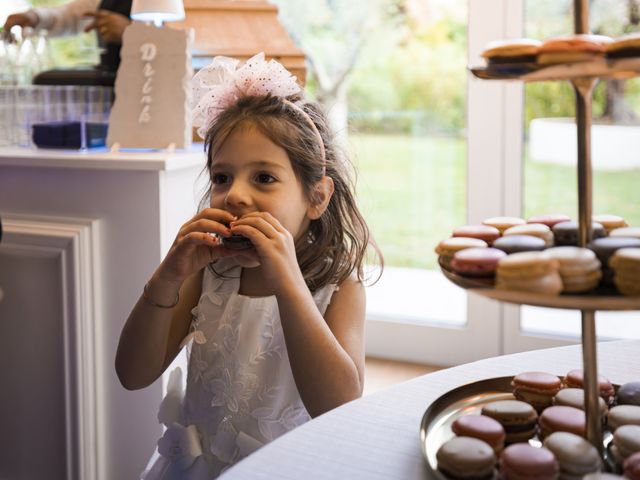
(152, 91)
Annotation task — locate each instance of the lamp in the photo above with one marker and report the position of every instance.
(157, 11)
(152, 88)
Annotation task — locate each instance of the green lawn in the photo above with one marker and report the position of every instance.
(412, 191)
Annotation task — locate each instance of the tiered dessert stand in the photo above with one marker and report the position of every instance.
(583, 76)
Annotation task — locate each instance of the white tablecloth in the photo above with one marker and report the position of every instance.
(377, 437)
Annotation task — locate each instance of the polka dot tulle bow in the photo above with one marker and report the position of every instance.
(221, 84)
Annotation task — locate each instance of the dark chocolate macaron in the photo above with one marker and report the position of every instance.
(525, 461)
(519, 243)
(566, 233)
(629, 394)
(236, 242)
(604, 248)
(518, 418)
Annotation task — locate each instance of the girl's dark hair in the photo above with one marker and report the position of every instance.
(338, 241)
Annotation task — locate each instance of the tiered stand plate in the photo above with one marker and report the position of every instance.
(583, 76)
(601, 299)
(616, 68)
(435, 427)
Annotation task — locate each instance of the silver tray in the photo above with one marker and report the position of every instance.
(435, 427)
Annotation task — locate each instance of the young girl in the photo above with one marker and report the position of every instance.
(276, 330)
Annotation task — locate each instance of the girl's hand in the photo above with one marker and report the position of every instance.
(275, 248)
(194, 247)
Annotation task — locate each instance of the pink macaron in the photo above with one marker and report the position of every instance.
(477, 262)
(523, 461)
(483, 232)
(549, 220)
(632, 467)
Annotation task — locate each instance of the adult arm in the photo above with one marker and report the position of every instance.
(67, 19)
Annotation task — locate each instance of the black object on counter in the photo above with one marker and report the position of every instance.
(69, 134)
(76, 76)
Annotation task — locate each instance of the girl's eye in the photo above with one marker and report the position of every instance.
(219, 178)
(265, 178)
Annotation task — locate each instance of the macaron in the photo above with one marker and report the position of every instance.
(579, 268)
(623, 415)
(575, 379)
(633, 232)
(536, 388)
(562, 419)
(566, 233)
(625, 264)
(574, 397)
(575, 455)
(519, 243)
(236, 242)
(483, 232)
(550, 219)
(631, 467)
(628, 394)
(604, 249)
(524, 462)
(518, 50)
(477, 262)
(624, 46)
(601, 476)
(533, 272)
(503, 223)
(481, 427)
(466, 458)
(572, 48)
(534, 229)
(449, 246)
(518, 419)
(610, 222)
(626, 442)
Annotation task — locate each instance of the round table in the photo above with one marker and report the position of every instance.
(377, 436)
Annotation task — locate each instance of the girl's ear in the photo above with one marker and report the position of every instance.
(320, 198)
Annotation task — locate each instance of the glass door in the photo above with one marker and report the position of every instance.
(419, 132)
(414, 313)
(549, 163)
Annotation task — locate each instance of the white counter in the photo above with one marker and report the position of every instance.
(82, 234)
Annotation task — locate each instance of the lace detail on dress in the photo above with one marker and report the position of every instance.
(240, 389)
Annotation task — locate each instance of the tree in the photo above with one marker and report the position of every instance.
(333, 34)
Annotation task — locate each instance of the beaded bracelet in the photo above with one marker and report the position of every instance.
(145, 296)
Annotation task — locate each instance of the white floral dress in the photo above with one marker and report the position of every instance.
(240, 390)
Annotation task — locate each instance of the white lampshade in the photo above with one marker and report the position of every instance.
(157, 10)
(7, 7)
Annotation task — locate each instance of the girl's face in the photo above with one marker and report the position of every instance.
(250, 173)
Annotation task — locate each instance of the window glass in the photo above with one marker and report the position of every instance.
(396, 71)
(550, 176)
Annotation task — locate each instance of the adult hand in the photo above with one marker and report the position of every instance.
(194, 247)
(24, 19)
(109, 25)
(275, 248)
